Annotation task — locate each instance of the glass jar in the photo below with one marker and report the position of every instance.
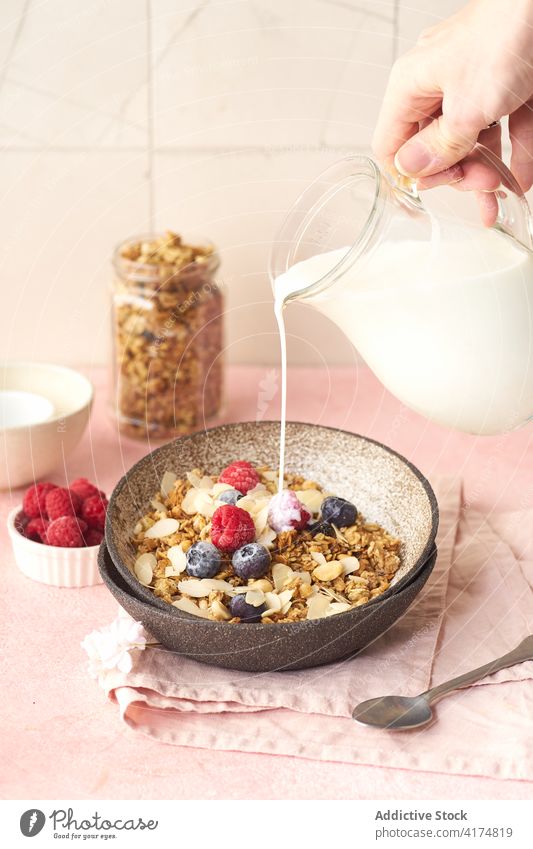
(168, 336)
(439, 307)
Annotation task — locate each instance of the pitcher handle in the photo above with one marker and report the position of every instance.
(514, 214)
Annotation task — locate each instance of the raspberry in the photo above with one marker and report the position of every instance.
(231, 527)
(93, 537)
(34, 500)
(286, 512)
(240, 475)
(62, 502)
(36, 529)
(85, 489)
(66, 532)
(93, 511)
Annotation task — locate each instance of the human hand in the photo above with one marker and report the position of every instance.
(463, 74)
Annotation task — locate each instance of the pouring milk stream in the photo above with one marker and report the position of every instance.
(445, 323)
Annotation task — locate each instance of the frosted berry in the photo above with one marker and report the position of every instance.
(203, 560)
(66, 532)
(84, 488)
(338, 511)
(321, 527)
(251, 561)
(229, 496)
(240, 475)
(231, 528)
(246, 612)
(286, 512)
(93, 511)
(36, 529)
(34, 501)
(62, 502)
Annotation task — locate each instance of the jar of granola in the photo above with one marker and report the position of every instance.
(167, 330)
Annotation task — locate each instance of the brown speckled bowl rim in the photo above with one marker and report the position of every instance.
(145, 595)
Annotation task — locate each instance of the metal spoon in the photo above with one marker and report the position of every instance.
(399, 712)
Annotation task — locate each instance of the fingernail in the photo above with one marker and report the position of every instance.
(413, 158)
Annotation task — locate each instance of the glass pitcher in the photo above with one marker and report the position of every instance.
(440, 307)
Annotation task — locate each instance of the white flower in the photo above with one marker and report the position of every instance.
(110, 647)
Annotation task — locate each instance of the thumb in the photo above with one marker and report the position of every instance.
(438, 146)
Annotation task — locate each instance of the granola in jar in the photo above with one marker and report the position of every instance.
(168, 336)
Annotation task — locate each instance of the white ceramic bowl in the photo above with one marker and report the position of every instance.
(29, 452)
(49, 564)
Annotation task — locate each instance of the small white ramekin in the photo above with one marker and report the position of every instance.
(49, 564)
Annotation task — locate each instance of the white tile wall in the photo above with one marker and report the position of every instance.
(207, 116)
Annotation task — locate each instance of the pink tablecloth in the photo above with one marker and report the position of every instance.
(61, 739)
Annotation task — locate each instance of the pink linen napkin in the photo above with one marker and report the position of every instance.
(476, 606)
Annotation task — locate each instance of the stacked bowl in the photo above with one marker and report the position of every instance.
(386, 488)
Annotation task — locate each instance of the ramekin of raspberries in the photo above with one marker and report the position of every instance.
(57, 532)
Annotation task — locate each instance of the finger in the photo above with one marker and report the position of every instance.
(404, 106)
(487, 202)
(441, 144)
(473, 172)
(488, 207)
(521, 134)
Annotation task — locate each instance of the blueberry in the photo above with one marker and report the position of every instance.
(251, 561)
(338, 511)
(321, 527)
(203, 560)
(247, 612)
(230, 496)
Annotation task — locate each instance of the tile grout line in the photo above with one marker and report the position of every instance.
(150, 149)
(395, 30)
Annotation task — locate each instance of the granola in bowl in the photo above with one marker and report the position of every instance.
(231, 548)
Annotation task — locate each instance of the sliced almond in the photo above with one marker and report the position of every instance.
(285, 599)
(158, 505)
(311, 498)
(177, 557)
(273, 603)
(340, 536)
(338, 607)
(317, 606)
(255, 597)
(267, 537)
(349, 564)
(318, 557)
(200, 483)
(304, 577)
(261, 584)
(167, 483)
(219, 611)
(198, 501)
(281, 574)
(328, 571)
(144, 568)
(219, 487)
(162, 528)
(188, 606)
(202, 587)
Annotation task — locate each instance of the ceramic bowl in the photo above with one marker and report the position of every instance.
(385, 487)
(265, 648)
(37, 436)
(49, 564)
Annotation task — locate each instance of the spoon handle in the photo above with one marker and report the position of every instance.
(522, 652)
